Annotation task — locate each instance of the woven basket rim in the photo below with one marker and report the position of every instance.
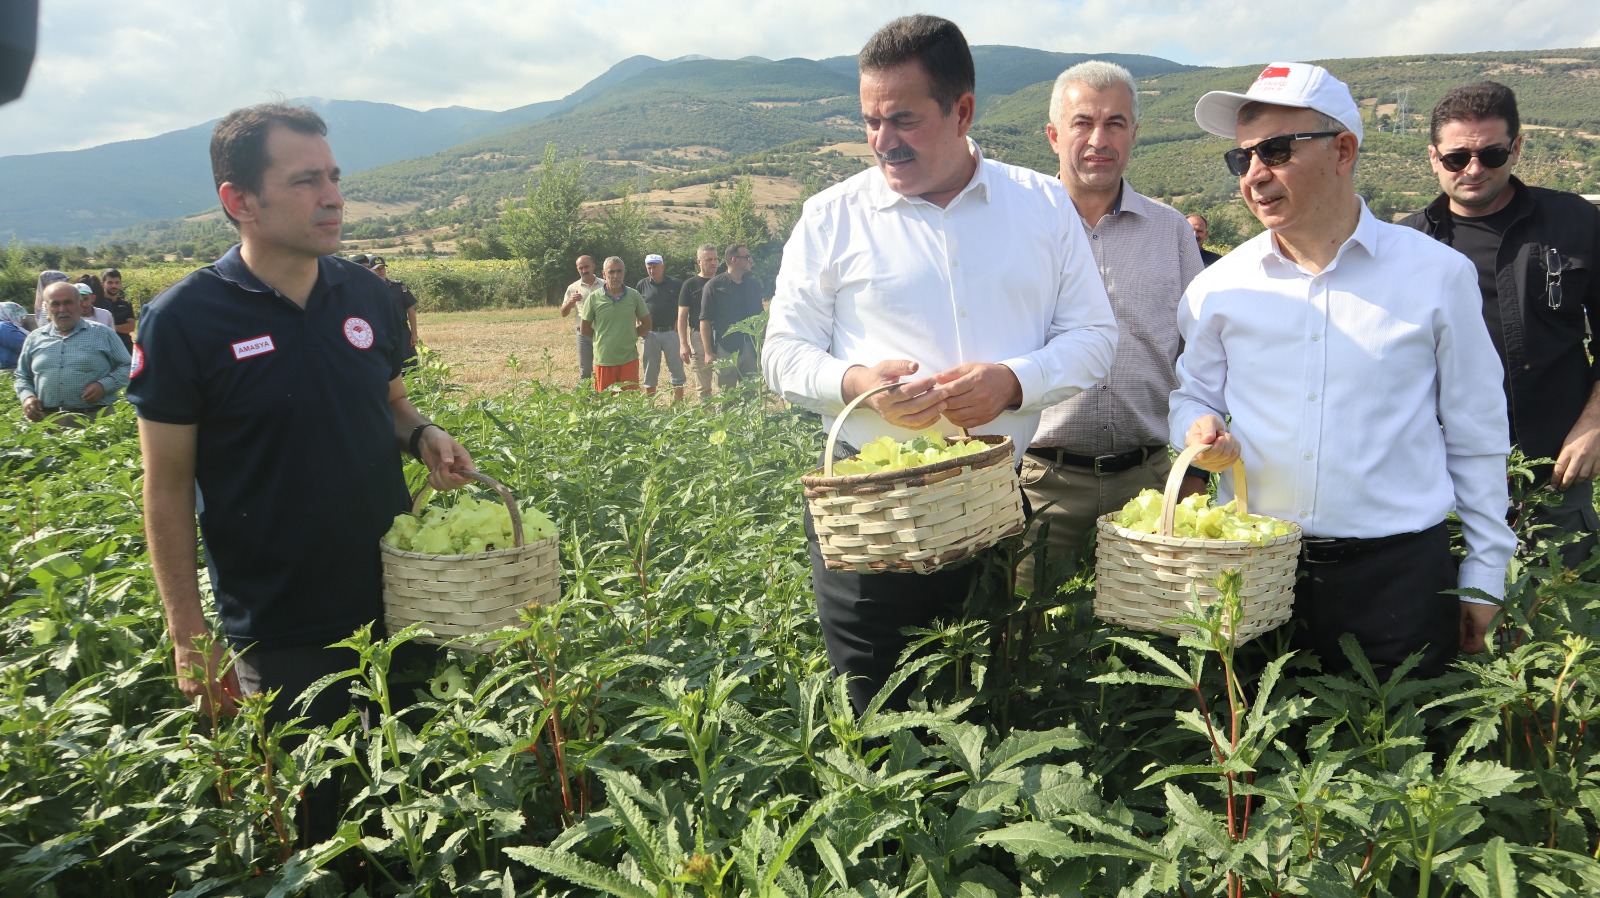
(1002, 448)
(1106, 522)
(385, 548)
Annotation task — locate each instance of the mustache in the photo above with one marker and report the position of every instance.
(898, 154)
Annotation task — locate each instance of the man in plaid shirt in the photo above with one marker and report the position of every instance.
(69, 365)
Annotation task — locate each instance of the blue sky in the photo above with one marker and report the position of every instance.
(135, 68)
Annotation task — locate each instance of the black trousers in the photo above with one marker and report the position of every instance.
(292, 670)
(863, 616)
(1387, 595)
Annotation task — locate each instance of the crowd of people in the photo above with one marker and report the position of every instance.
(624, 331)
(1373, 377)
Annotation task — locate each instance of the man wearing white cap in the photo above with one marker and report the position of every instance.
(92, 312)
(1363, 388)
(660, 292)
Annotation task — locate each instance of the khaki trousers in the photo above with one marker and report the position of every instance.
(1076, 497)
(703, 375)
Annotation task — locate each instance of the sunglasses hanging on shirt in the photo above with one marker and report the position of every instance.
(1491, 157)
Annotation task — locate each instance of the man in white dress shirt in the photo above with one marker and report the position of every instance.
(967, 282)
(1363, 387)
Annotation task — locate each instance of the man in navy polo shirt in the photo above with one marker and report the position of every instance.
(271, 380)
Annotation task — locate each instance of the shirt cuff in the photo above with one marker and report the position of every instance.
(1030, 378)
(829, 383)
(1482, 577)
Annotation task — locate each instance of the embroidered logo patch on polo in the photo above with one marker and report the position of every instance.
(358, 332)
(138, 361)
(258, 346)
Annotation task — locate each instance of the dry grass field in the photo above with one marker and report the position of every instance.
(492, 351)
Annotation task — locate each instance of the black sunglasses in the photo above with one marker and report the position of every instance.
(1491, 157)
(1272, 151)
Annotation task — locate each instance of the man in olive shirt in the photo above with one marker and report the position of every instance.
(614, 317)
(691, 348)
(728, 299)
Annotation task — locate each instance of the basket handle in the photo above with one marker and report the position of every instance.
(838, 422)
(1169, 496)
(505, 496)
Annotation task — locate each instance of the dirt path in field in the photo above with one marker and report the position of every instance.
(481, 346)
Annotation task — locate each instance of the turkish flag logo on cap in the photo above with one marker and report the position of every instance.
(1273, 71)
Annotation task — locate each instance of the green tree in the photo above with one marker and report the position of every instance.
(735, 219)
(547, 231)
(621, 231)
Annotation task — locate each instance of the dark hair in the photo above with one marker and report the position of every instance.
(1474, 103)
(94, 284)
(735, 247)
(239, 142)
(110, 273)
(935, 44)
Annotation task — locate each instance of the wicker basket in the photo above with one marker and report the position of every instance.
(459, 596)
(1144, 580)
(916, 520)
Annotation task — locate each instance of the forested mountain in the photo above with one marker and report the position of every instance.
(86, 194)
(651, 125)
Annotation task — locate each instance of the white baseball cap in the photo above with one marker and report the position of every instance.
(652, 259)
(1297, 84)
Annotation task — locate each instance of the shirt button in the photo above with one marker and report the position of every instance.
(955, 263)
(1308, 456)
(1312, 397)
(1094, 236)
(1304, 513)
(963, 313)
(1315, 337)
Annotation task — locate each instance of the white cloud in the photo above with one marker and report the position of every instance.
(141, 67)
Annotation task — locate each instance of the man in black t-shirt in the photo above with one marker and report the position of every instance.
(691, 347)
(660, 291)
(269, 382)
(726, 300)
(121, 310)
(1534, 250)
(405, 305)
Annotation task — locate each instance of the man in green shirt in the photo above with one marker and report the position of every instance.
(615, 317)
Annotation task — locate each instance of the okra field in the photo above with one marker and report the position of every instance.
(671, 726)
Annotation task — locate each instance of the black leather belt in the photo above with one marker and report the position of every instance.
(1332, 549)
(1100, 464)
(663, 330)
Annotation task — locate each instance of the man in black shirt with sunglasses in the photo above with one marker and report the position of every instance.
(1535, 251)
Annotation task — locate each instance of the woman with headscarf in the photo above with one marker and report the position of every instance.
(46, 278)
(11, 334)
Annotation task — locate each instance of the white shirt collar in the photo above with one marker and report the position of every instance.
(883, 197)
(1364, 236)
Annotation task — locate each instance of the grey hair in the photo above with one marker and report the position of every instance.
(1095, 74)
(706, 246)
(610, 259)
